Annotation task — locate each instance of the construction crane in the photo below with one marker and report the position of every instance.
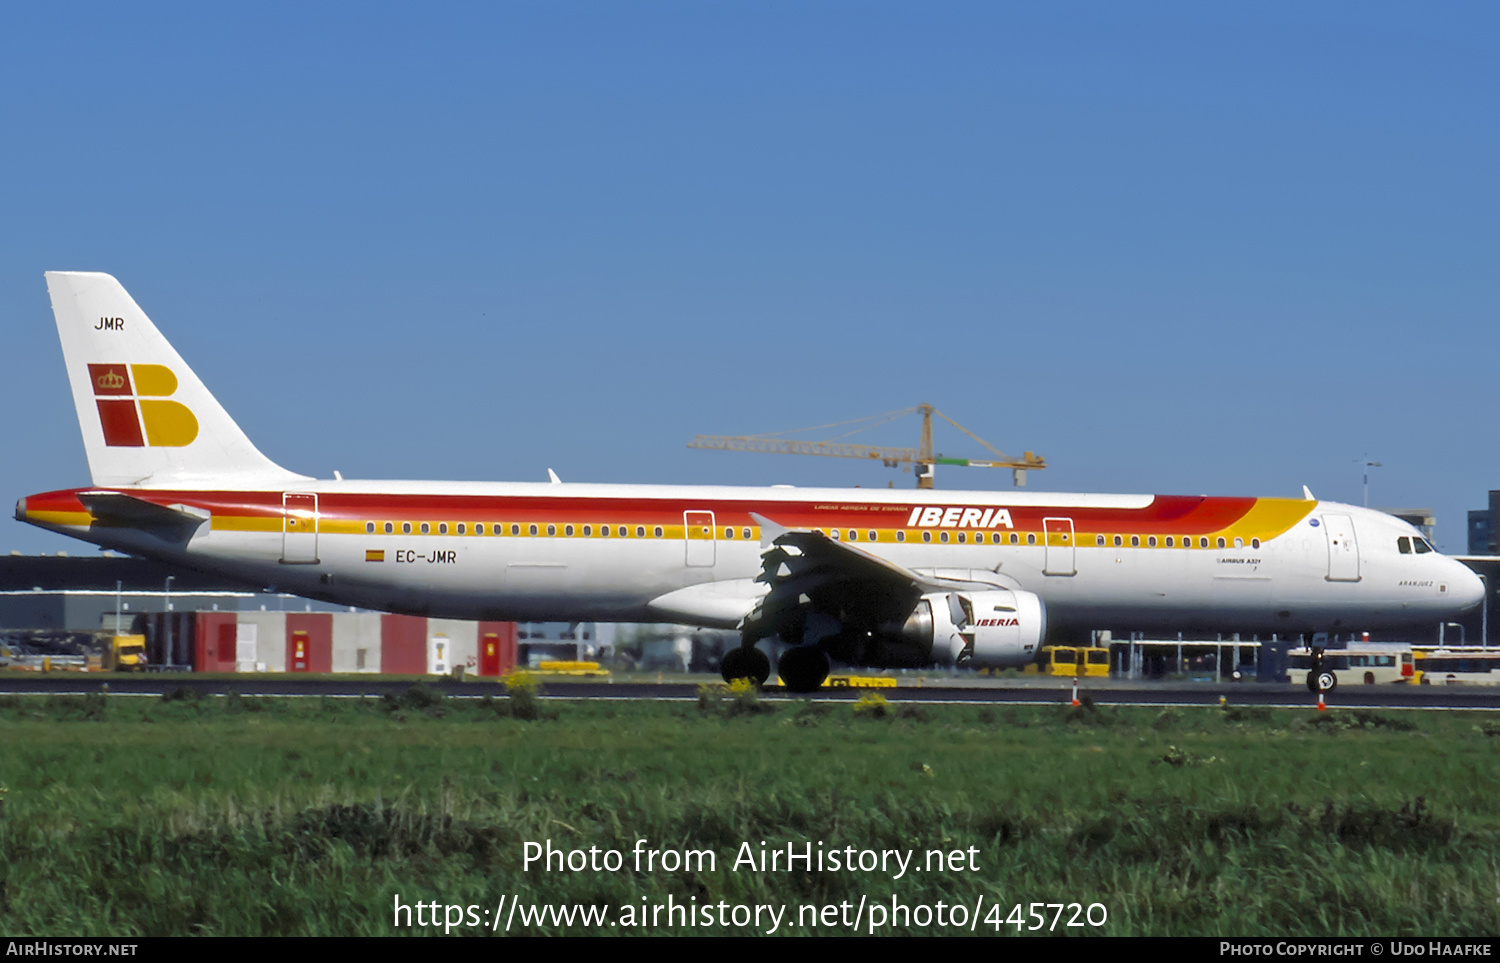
(922, 456)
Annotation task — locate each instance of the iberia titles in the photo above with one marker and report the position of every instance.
(959, 517)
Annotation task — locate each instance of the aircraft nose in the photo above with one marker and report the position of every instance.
(1465, 586)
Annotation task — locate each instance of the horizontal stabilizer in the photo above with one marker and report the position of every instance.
(175, 522)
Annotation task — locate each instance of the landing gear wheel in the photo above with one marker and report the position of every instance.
(803, 669)
(745, 663)
(1323, 679)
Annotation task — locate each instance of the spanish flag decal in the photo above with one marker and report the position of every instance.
(374, 554)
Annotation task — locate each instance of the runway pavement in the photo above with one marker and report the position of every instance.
(1005, 691)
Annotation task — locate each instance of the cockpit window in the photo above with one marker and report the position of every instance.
(1422, 546)
(1404, 544)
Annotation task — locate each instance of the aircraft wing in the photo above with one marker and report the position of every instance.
(808, 571)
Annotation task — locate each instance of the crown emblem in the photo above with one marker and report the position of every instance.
(111, 379)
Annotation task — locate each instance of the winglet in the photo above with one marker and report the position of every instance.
(769, 530)
(552, 475)
(1307, 494)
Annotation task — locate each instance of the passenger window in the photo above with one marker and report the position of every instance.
(1255, 543)
(640, 531)
(1098, 539)
(604, 531)
(1239, 543)
(926, 536)
(872, 535)
(1220, 542)
(1135, 541)
(747, 533)
(834, 534)
(479, 529)
(944, 537)
(426, 529)
(900, 536)
(516, 530)
(442, 528)
(568, 530)
(551, 530)
(1031, 538)
(729, 533)
(656, 531)
(461, 528)
(588, 531)
(1151, 541)
(369, 528)
(1169, 542)
(406, 528)
(1203, 541)
(389, 528)
(531, 530)
(961, 538)
(1119, 541)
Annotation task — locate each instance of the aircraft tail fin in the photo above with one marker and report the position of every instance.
(146, 418)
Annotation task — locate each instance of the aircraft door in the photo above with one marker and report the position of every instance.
(299, 528)
(1059, 534)
(1343, 548)
(698, 536)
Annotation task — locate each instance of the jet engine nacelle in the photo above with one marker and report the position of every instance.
(992, 628)
(996, 628)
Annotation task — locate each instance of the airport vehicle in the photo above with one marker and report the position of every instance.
(1457, 666)
(125, 653)
(865, 577)
(1080, 660)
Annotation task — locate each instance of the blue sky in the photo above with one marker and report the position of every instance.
(1178, 248)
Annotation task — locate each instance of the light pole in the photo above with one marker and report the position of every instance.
(167, 618)
(1368, 465)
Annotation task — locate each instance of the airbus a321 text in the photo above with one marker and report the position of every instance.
(864, 577)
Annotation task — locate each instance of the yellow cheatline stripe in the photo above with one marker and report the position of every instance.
(245, 523)
(1270, 517)
(80, 519)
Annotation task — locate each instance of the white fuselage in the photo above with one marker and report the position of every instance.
(692, 554)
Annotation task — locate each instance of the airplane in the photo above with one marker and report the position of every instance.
(864, 577)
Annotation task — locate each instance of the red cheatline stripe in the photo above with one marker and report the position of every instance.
(1181, 515)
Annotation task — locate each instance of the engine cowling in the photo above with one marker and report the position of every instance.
(992, 629)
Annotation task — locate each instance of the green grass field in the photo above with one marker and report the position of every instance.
(143, 816)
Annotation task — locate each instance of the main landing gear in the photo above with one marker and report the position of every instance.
(803, 669)
(745, 663)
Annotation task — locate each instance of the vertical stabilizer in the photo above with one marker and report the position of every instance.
(146, 418)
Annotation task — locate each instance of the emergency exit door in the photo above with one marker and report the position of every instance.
(698, 533)
(299, 528)
(1059, 536)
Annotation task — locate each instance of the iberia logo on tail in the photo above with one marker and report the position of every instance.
(133, 406)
